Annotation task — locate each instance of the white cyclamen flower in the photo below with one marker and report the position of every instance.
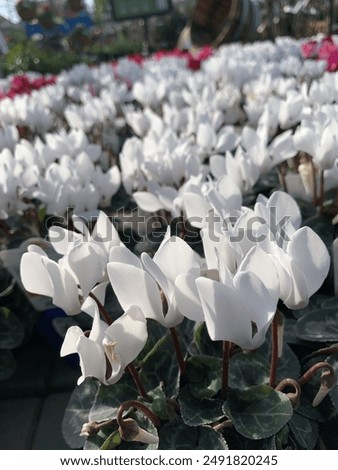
(117, 345)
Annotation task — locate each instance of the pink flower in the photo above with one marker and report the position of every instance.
(138, 58)
(310, 49)
(327, 47)
(332, 61)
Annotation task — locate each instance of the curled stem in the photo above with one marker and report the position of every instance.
(274, 353)
(293, 396)
(312, 371)
(220, 426)
(178, 350)
(225, 369)
(139, 406)
(322, 352)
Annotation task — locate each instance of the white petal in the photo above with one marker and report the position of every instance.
(298, 296)
(196, 208)
(282, 148)
(92, 359)
(62, 239)
(121, 254)
(176, 257)
(87, 265)
(312, 257)
(187, 298)
(130, 333)
(133, 286)
(155, 271)
(65, 291)
(304, 140)
(148, 202)
(261, 264)
(69, 345)
(281, 205)
(98, 326)
(222, 312)
(217, 166)
(105, 232)
(206, 137)
(34, 275)
(260, 303)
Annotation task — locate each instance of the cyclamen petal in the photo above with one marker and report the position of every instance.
(312, 257)
(130, 333)
(224, 317)
(121, 254)
(175, 257)
(240, 313)
(196, 208)
(134, 286)
(70, 340)
(147, 202)
(34, 275)
(65, 290)
(187, 298)
(92, 360)
(87, 263)
(62, 239)
(261, 264)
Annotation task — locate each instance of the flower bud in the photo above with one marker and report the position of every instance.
(89, 429)
(328, 381)
(130, 431)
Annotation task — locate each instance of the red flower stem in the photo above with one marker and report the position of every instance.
(137, 379)
(103, 311)
(311, 372)
(225, 369)
(314, 183)
(179, 355)
(139, 406)
(274, 352)
(321, 195)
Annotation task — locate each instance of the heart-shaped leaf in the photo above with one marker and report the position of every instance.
(109, 398)
(204, 375)
(248, 369)
(176, 435)
(258, 412)
(318, 326)
(77, 412)
(197, 411)
(304, 430)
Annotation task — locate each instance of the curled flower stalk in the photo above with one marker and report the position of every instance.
(130, 430)
(328, 380)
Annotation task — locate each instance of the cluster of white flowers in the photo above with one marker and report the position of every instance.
(235, 116)
(198, 140)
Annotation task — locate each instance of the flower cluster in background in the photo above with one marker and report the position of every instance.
(324, 49)
(163, 122)
(25, 84)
